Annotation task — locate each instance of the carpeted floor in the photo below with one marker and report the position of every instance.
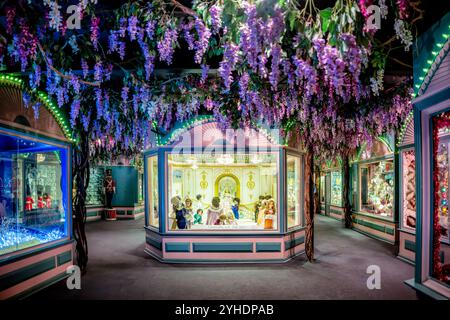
(119, 269)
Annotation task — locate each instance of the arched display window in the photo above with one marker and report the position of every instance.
(213, 194)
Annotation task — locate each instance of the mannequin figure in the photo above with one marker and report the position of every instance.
(261, 213)
(109, 188)
(29, 203)
(179, 212)
(269, 214)
(47, 200)
(198, 216)
(214, 212)
(40, 201)
(235, 208)
(189, 213)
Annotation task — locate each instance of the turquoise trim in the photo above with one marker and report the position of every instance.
(222, 247)
(419, 222)
(177, 247)
(34, 252)
(410, 245)
(40, 286)
(154, 243)
(63, 258)
(424, 290)
(15, 277)
(268, 247)
(294, 242)
(370, 235)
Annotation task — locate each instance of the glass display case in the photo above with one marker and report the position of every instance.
(377, 188)
(33, 193)
(322, 187)
(336, 188)
(94, 193)
(408, 167)
(220, 191)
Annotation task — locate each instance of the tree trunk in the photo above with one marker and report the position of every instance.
(81, 180)
(309, 205)
(346, 189)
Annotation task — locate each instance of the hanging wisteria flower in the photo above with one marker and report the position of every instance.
(36, 107)
(201, 45)
(10, 15)
(54, 14)
(403, 33)
(227, 65)
(98, 71)
(403, 7)
(383, 8)
(95, 32)
(132, 27)
(122, 27)
(204, 76)
(74, 111)
(166, 45)
(187, 35)
(243, 85)
(275, 68)
(73, 44)
(150, 28)
(216, 18)
(85, 68)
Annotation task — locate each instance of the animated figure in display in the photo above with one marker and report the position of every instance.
(40, 201)
(214, 212)
(189, 213)
(261, 213)
(29, 203)
(179, 214)
(198, 216)
(269, 214)
(109, 187)
(48, 200)
(235, 207)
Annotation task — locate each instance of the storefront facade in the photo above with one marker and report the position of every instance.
(216, 196)
(36, 245)
(331, 190)
(432, 127)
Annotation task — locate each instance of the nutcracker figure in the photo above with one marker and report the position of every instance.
(48, 200)
(28, 203)
(109, 187)
(40, 201)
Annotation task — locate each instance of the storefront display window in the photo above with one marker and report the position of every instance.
(293, 191)
(33, 194)
(236, 191)
(322, 188)
(442, 191)
(336, 188)
(153, 209)
(377, 188)
(409, 189)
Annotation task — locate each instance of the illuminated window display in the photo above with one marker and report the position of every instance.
(219, 195)
(377, 188)
(336, 188)
(225, 192)
(441, 193)
(322, 188)
(33, 195)
(409, 189)
(153, 215)
(293, 191)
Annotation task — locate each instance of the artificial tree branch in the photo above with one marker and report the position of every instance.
(183, 8)
(62, 75)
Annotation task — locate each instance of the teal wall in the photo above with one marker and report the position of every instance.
(126, 179)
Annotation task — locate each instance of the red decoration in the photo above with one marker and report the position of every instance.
(40, 202)
(29, 203)
(440, 272)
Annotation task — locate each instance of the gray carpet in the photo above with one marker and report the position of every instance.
(119, 269)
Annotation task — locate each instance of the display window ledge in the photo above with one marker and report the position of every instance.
(369, 215)
(220, 233)
(406, 230)
(25, 253)
(408, 261)
(430, 288)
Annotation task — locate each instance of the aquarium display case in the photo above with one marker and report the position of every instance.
(234, 195)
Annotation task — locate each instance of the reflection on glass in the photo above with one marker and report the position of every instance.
(336, 188)
(223, 192)
(293, 191)
(322, 188)
(443, 171)
(377, 188)
(153, 213)
(409, 189)
(32, 193)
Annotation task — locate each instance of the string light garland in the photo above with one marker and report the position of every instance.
(43, 98)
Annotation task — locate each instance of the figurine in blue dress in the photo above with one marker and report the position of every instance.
(235, 207)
